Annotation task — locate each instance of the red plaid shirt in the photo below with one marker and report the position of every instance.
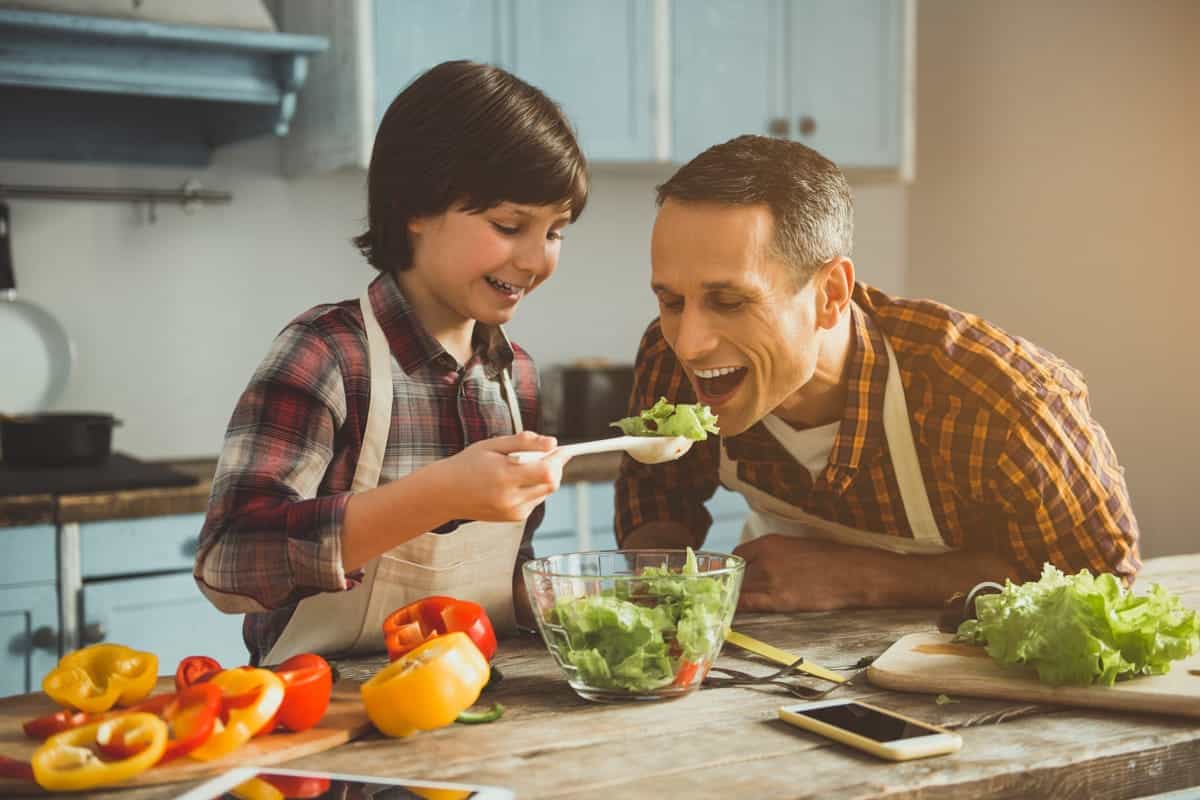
(1012, 460)
(273, 531)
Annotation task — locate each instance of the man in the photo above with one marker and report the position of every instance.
(892, 451)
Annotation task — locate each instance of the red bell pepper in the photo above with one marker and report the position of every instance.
(298, 787)
(191, 716)
(407, 627)
(43, 728)
(195, 669)
(15, 769)
(308, 686)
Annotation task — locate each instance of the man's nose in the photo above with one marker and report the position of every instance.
(695, 337)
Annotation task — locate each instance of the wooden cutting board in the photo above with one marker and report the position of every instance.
(929, 662)
(344, 720)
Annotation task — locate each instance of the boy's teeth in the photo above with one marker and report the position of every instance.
(715, 373)
(508, 287)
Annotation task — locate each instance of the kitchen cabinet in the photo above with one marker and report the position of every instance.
(643, 81)
(28, 607)
(593, 58)
(136, 588)
(833, 75)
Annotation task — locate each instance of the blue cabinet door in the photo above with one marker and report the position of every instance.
(411, 37)
(845, 65)
(28, 635)
(726, 72)
(596, 61)
(165, 614)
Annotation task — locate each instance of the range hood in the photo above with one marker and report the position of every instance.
(101, 89)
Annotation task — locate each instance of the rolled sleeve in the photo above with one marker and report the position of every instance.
(268, 538)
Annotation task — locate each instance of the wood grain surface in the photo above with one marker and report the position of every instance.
(921, 662)
(345, 720)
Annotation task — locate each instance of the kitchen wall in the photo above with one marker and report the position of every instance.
(172, 316)
(1056, 194)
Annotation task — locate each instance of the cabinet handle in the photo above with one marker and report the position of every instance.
(45, 638)
(93, 633)
(778, 127)
(806, 125)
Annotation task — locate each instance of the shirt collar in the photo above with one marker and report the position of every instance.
(413, 345)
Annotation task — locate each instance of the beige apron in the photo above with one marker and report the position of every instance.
(473, 562)
(769, 514)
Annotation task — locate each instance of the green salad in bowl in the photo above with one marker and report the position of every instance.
(634, 624)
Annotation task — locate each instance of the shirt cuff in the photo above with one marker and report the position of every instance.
(314, 544)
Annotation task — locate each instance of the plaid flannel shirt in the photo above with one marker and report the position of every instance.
(1012, 460)
(272, 535)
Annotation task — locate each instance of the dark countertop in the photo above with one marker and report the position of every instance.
(132, 503)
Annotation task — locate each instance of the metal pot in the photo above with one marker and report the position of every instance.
(56, 439)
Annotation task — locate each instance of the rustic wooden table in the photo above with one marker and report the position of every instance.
(728, 742)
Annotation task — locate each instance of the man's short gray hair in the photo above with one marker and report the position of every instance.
(808, 195)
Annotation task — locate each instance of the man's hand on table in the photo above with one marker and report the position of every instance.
(787, 573)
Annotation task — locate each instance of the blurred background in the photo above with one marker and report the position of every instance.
(1035, 163)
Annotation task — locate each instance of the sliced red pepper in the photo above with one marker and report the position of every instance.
(195, 669)
(190, 716)
(43, 728)
(17, 770)
(686, 674)
(408, 627)
(298, 787)
(308, 686)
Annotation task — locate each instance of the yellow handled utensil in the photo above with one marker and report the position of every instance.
(780, 656)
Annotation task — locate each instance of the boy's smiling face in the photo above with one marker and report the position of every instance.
(478, 266)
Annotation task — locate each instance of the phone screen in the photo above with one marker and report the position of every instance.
(866, 722)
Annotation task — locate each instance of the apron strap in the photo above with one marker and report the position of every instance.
(379, 409)
(898, 430)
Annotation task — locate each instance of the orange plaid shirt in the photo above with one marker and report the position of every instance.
(1013, 461)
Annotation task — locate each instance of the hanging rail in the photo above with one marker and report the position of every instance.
(189, 195)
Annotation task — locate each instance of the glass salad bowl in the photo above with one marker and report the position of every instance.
(634, 624)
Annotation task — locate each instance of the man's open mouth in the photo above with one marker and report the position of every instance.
(715, 384)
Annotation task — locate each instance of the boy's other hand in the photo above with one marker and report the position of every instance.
(489, 486)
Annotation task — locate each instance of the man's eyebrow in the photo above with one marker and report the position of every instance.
(660, 287)
(724, 286)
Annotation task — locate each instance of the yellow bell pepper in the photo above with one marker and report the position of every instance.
(427, 687)
(68, 761)
(256, 789)
(262, 691)
(101, 676)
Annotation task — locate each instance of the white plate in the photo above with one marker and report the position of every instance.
(36, 357)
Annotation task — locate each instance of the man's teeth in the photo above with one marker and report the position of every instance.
(502, 285)
(715, 373)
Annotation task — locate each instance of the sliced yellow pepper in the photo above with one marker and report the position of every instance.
(256, 789)
(244, 720)
(101, 676)
(68, 761)
(427, 687)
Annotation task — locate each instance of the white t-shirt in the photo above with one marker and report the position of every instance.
(811, 446)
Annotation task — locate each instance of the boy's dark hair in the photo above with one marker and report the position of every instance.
(808, 195)
(469, 133)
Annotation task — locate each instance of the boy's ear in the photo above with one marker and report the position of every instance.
(415, 224)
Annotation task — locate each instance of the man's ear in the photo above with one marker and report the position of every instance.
(835, 287)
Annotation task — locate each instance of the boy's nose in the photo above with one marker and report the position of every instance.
(534, 257)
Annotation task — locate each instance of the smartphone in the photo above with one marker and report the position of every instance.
(878, 731)
(243, 783)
